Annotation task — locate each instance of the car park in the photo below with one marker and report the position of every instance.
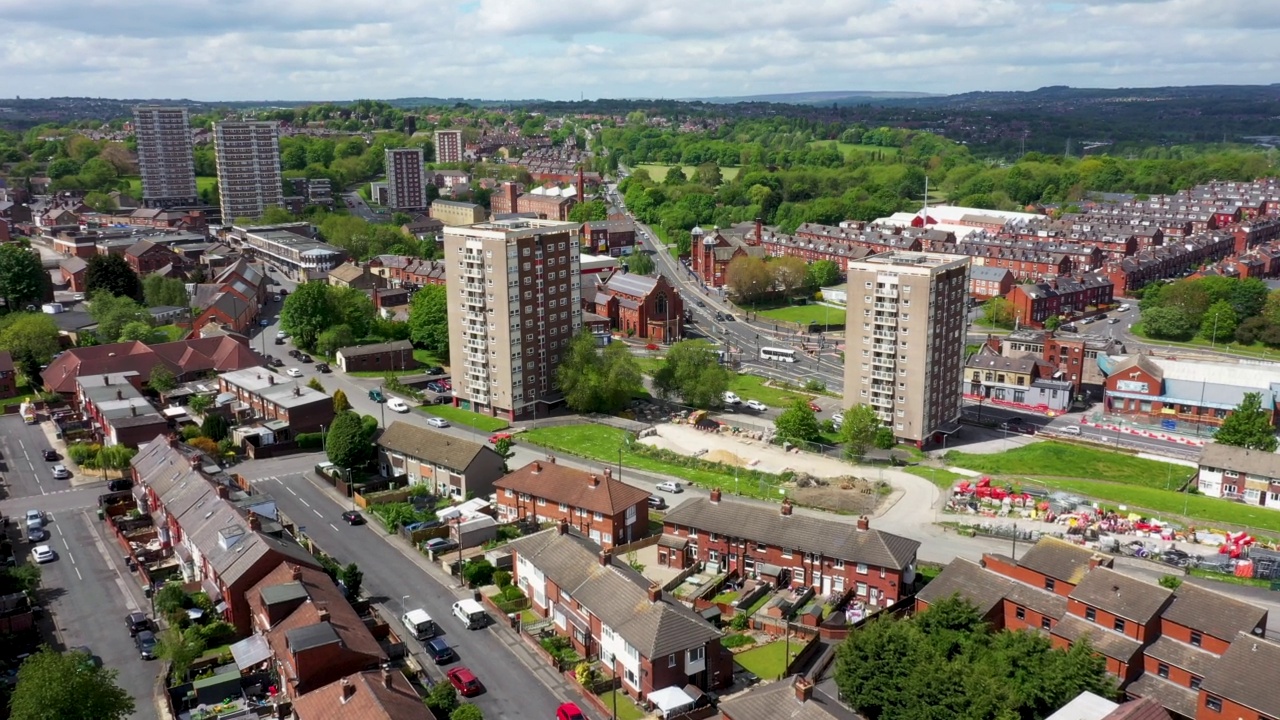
(670, 486)
(435, 387)
(397, 405)
(137, 622)
(353, 517)
(294, 353)
(42, 554)
(465, 682)
(60, 472)
(757, 405)
(35, 535)
(50, 455)
(437, 422)
(146, 642)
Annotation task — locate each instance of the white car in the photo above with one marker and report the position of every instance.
(35, 519)
(60, 472)
(731, 399)
(1071, 430)
(838, 418)
(757, 405)
(42, 554)
(670, 486)
(397, 405)
(293, 372)
(282, 334)
(438, 422)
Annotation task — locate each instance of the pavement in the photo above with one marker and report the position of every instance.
(398, 578)
(86, 590)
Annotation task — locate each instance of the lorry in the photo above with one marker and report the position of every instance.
(28, 411)
(419, 624)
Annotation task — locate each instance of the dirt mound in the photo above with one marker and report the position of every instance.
(725, 457)
(845, 495)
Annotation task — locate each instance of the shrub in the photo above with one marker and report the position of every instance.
(736, 640)
(585, 674)
(218, 632)
(740, 621)
(466, 712)
(309, 441)
(190, 432)
(502, 578)
(205, 445)
(477, 572)
(1173, 582)
(442, 699)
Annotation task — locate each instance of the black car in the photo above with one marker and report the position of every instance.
(279, 341)
(1013, 423)
(277, 362)
(657, 502)
(294, 353)
(50, 455)
(119, 485)
(304, 358)
(322, 367)
(439, 650)
(137, 622)
(728, 318)
(351, 517)
(146, 642)
(437, 370)
(719, 316)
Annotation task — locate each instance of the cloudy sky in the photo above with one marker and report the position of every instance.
(561, 49)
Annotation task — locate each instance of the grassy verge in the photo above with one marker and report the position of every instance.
(601, 443)
(171, 333)
(1229, 579)
(459, 416)
(1058, 459)
(1256, 350)
(944, 479)
(768, 662)
(753, 387)
(806, 314)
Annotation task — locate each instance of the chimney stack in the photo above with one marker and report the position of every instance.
(594, 481)
(537, 467)
(119, 394)
(106, 379)
(864, 523)
(297, 391)
(322, 613)
(759, 230)
(386, 678)
(804, 690)
(194, 461)
(655, 593)
(786, 507)
(582, 185)
(295, 572)
(224, 492)
(715, 496)
(563, 527)
(347, 690)
(1094, 561)
(255, 522)
(271, 379)
(608, 473)
(551, 459)
(606, 558)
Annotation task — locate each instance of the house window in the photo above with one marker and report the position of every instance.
(671, 661)
(786, 552)
(1196, 638)
(1118, 625)
(1195, 682)
(1091, 615)
(542, 501)
(508, 492)
(1162, 670)
(599, 516)
(838, 564)
(696, 654)
(1048, 584)
(1045, 623)
(1020, 613)
(564, 507)
(1213, 703)
(861, 569)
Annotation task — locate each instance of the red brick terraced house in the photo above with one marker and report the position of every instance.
(1034, 303)
(610, 611)
(186, 359)
(798, 550)
(146, 257)
(382, 694)
(607, 511)
(260, 393)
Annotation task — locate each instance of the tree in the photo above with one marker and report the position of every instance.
(503, 448)
(23, 279)
(314, 384)
(162, 379)
(215, 427)
(789, 273)
(346, 443)
(354, 309)
(179, 648)
(442, 700)
(334, 339)
(466, 711)
(1166, 323)
(748, 279)
(56, 685)
(199, 403)
(32, 340)
(137, 330)
(429, 319)
(101, 202)
(1248, 426)
(307, 312)
(640, 263)
(885, 438)
(112, 274)
(822, 273)
(692, 371)
(707, 174)
(589, 211)
(798, 423)
(1173, 582)
(1053, 322)
(158, 291)
(598, 381)
(113, 312)
(858, 431)
(340, 402)
(1219, 323)
(352, 578)
(998, 312)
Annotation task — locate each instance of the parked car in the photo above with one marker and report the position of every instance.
(670, 486)
(277, 362)
(376, 395)
(281, 334)
(757, 405)
(293, 372)
(137, 622)
(437, 422)
(657, 502)
(435, 387)
(304, 358)
(35, 535)
(60, 472)
(275, 298)
(279, 341)
(119, 485)
(439, 545)
(437, 370)
(1113, 321)
(838, 418)
(731, 399)
(50, 455)
(263, 322)
(814, 406)
(465, 682)
(294, 353)
(34, 518)
(1070, 430)
(494, 438)
(146, 642)
(720, 316)
(42, 554)
(397, 405)
(353, 517)
(440, 652)
(569, 711)
(323, 367)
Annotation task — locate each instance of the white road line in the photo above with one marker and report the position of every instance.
(335, 527)
(64, 544)
(292, 491)
(22, 445)
(33, 467)
(78, 574)
(317, 512)
(304, 502)
(73, 557)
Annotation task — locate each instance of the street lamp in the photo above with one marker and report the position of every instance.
(402, 599)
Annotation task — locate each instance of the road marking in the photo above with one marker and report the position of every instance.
(22, 445)
(33, 467)
(293, 492)
(304, 502)
(78, 573)
(335, 527)
(73, 557)
(317, 512)
(65, 545)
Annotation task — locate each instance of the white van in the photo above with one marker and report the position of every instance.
(419, 624)
(731, 399)
(471, 613)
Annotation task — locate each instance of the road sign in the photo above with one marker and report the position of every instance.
(1169, 424)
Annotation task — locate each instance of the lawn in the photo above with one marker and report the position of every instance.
(659, 172)
(600, 442)
(1064, 460)
(752, 387)
(202, 183)
(767, 662)
(1199, 509)
(806, 314)
(944, 479)
(627, 710)
(171, 333)
(25, 393)
(459, 416)
(848, 149)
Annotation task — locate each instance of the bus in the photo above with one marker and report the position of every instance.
(777, 354)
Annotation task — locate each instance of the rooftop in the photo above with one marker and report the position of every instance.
(431, 445)
(561, 484)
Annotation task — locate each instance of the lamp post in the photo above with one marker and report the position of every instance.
(402, 599)
(1213, 340)
(382, 406)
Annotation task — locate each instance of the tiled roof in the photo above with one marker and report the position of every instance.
(431, 446)
(1159, 694)
(370, 699)
(1040, 601)
(560, 484)
(1253, 462)
(616, 594)
(986, 590)
(1213, 613)
(1057, 559)
(1247, 675)
(1106, 641)
(841, 541)
(1186, 656)
(1121, 595)
(184, 356)
(778, 701)
(378, 349)
(347, 272)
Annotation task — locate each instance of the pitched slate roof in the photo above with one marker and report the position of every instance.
(371, 699)
(1057, 559)
(1213, 613)
(1246, 673)
(560, 484)
(1184, 655)
(616, 594)
(220, 354)
(1121, 595)
(347, 272)
(842, 541)
(1253, 462)
(1158, 694)
(431, 446)
(1104, 640)
(778, 701)
(986, 590)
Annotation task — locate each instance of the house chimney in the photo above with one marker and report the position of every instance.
(224, 492)
(864, 523)
(119, 394)
(271, 379)
(295, 572)
(594, 481)
(347, 690)
(297, 391)
(322, 613)
(563, 527)
(537, 467)
(715, 496)
(582, 191)
(106, 379)
(786, 507)
(655, 592)
(512, 196)
(255, 522)
(759, 230)
(194, 461)
(606, 558)
(133, 411)
(804, 690)
(386, 678)
(1094, 561)
(608, 473)
(551, 459)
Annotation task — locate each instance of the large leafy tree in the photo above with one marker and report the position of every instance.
(429, 319)
(112, 274)
(798, 423)
(308, 311)
(158, 290)
(749, 279)
(113, 312)
(354, 309)
(823, 273)
(65, 686)
(334, 339)
(347, 443)
(598, 381)
(162, 379)
(31, 338)
(640, 263)
(588, 211)
(858, 431)
(1248, 426)
(1219, 322)
(1167, 323)
(22, 278)
(692, 372)
(789, 273)
(998, 312)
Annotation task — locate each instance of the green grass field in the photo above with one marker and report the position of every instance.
(941, 477)
(804, 314)
(1064, 460)
(202, 183)
(768, 662)
(627, 709)
(752, 387)
(171, 333)
(659, 172)
(1256, 350)
(459, 416)
(848, 149)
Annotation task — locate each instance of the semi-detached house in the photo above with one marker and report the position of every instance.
(449, 465)
(610, 611)
(796, 550)
(608, 511)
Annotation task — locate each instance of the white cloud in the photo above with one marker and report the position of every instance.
(338, 49)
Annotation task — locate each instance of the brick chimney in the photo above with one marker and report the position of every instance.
(513, 196)
(593, 481)
(295, 572)
(563, 527)
(386, 677)
(255, 522)
(297, 391)
(804, 690)
(608, 473)
(606, 558)
(1094, 561)
(786, 507)
(194, 461)
(271, 379)
(715, 496)
(759, 230)
(348, 690)
(537, 467)
(322, 613)
(655, 593)
(106, 379)
(119, 394)
(864, 523)
(224, 492)
(551, 459)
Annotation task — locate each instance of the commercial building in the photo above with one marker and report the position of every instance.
(1182, 394)
(905, 341)
(164, 156)
(1075, 356)
(517, 305)
(379, 357)
(1022, 383)
(454, 213)
(448, 465)
(405, 189)
(449, 146)
(301, 257)
(608, 511)
(249, 180)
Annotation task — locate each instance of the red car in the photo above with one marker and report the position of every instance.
(465, 682)
(814, 406)
(494, 438)
(569, 711)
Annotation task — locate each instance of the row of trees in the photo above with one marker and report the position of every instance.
(1215, 308)
(318, 312)
(752, 279)
(596, 380)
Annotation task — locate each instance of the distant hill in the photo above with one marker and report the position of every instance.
(826, 97)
